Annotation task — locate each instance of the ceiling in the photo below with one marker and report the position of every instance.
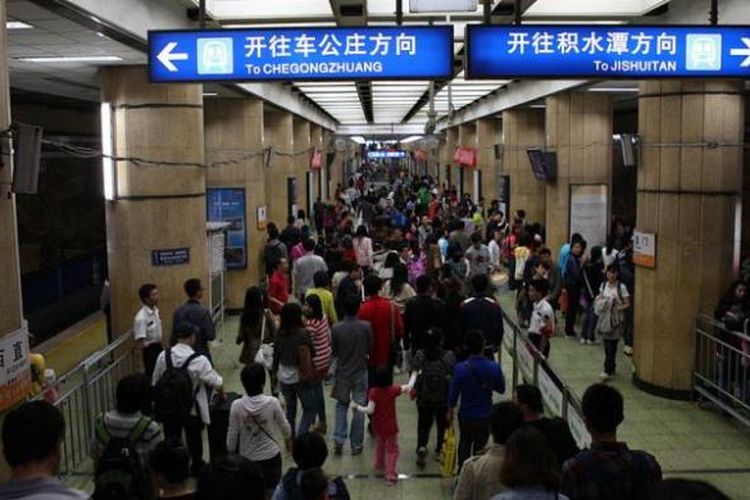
(348, 102)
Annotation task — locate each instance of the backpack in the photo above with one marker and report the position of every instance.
(271, 256)
(119, 474)
(173, 394)
(433, 383)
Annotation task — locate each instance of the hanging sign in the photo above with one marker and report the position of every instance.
(315, 159)
(418, 52)
(466, 157)
(601, 51)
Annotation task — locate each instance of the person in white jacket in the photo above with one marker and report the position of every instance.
(252, 422)
(204, 379)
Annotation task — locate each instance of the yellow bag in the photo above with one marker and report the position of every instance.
(449, 458)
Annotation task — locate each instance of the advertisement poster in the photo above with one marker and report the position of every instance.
(228, 205)
(589, 212)
(644, 249)
(15, 371)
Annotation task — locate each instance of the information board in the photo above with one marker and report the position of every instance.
(15, 371)
(376, 155)
(588, 212)
(607, 51)
(416, 52)
(228, 205)
(644, 249)
(170, 256)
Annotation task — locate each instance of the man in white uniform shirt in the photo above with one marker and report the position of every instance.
(542, 322)
(147, 326)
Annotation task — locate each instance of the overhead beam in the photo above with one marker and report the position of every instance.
(381, 130)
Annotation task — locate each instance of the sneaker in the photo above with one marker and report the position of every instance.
(356, 451)
(421, 455)
(584, 341)
(627, 350)
(338, 448)
(604, 376)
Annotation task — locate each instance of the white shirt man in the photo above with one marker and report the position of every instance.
(147, 326)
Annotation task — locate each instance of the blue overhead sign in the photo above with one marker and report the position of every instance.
(386, 154)
(618, 51)
(301, 54)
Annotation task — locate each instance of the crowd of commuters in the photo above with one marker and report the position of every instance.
(394, 278)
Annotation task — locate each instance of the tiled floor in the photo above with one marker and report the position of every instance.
(688, 441)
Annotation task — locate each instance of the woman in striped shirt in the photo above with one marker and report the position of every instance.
(320, 334)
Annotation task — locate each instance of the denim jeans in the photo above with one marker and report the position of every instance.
(474, 435)
(306, 394)
(320, 402)
(610, 355)
(588, 330)
(357, 433)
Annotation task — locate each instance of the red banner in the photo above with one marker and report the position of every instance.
(315, 159)
(466, 157)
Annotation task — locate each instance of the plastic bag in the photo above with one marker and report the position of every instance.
(450, 456)
(264, 356)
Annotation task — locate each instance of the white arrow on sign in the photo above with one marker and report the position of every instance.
(744, 52)
(166, 56)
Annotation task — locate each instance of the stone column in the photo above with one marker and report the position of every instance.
(157, 207)
(689, 178)
(579, 129)
(234, 129)
(278, 135)
(301, 162)
(523, 129)
(486, 139)
(316, 141)
(451, 143)
(10, 291)
(467, 138)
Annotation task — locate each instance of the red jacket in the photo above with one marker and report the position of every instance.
(378, 311)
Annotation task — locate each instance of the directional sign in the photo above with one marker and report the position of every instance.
(618, 51)
(302, 54)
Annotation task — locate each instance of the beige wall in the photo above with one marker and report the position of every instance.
(301, 160)
(486, 139)
(467, 138)
(685, 196)
(234, 127)
(279, 135)
(579, 128)
(160, 207)
(523, 129)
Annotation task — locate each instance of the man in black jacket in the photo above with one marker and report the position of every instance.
(422, 313)
(481, 312)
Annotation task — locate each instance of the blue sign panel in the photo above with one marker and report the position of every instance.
(228, 205)
(386, 154)
(566, 51)
(301, 54)
(170, 256)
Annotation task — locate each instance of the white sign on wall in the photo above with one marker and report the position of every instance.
(589, 210)
(644, 249)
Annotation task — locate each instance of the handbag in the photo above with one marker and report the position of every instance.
(306, 368)
(449, 457)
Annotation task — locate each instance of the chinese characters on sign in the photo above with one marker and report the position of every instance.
(644, 249)
(15, 372)
(301, 54)
(608, 51)
(228, 205)
(170, 257)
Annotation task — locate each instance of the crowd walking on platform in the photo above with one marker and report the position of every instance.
(394, 278)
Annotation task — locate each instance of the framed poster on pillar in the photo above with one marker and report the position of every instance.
(228, 205)
(503, 189)
(589, 212)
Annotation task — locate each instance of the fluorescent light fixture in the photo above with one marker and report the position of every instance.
(68, 59)
(613, 89)
(108, 164)
(210, 94)
(322, 24)
(410, 139)
(358, 139)
(538, 106)
(17, 25)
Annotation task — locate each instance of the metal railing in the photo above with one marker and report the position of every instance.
(722, 367)
(88, 390)
(531, 367)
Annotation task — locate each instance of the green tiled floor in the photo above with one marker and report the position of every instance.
(688, 441)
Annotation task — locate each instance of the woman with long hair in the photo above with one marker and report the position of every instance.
(292, 360)
(363, 249)
(609, 307)
(319, 329)
(398, 289)
(256, 325)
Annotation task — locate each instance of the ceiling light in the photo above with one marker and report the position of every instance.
(17, 25)
(538, 106)
(210, 94)
(411, 139)
(67, 59)
(613, 89)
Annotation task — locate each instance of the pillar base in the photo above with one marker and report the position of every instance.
(662, 392)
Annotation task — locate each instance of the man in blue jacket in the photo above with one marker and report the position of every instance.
(473, 382)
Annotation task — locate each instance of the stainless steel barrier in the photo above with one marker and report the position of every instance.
(722, 367)
(530, 366)
(87, 390)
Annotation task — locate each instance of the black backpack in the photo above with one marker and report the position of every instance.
(174, 396)
(433, 383)
(119, 473)
(272, 255)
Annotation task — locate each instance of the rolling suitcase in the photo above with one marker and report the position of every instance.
(217, 430)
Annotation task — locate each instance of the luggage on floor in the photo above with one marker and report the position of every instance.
(217, 430)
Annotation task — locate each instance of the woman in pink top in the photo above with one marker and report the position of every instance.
(363, 249)
(320, 335)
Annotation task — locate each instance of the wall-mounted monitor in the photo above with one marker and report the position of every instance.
(543, 164)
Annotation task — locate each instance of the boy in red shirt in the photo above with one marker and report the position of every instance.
(382, 408)
(278, 287)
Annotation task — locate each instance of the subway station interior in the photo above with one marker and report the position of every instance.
(597, 151)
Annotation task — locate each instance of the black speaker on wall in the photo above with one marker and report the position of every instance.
(27, 152)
